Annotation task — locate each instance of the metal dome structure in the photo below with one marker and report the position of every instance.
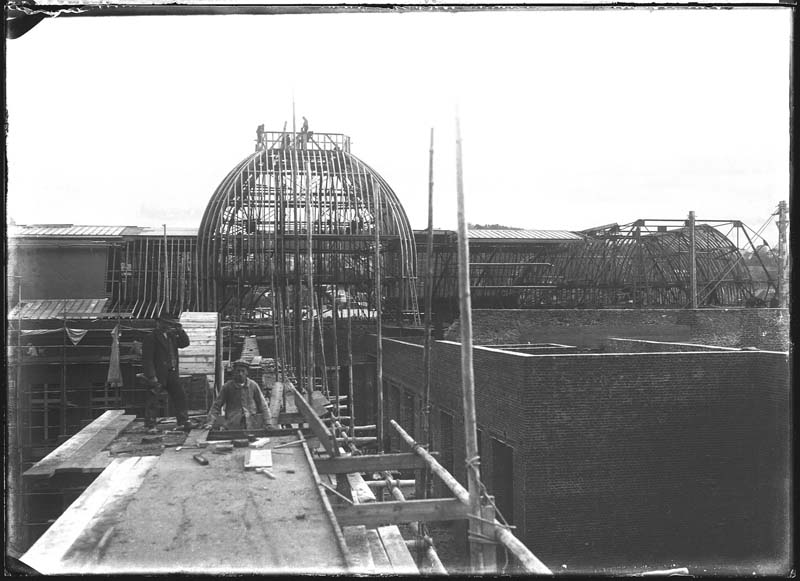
(303, 206)
(646, 263)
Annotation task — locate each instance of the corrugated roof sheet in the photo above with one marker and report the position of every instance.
(58, 309)
(171, 231)
(61, 230)
(522, 235)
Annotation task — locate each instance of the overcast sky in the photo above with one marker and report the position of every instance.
(570, 119)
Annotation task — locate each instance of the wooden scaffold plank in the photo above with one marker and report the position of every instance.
(121, 478)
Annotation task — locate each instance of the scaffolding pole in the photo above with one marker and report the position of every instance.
(467, 378)
(378, 314)
(782, 255)
(529, 561)
(692, 262)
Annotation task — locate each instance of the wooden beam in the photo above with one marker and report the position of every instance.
(317, 427)
(86, 458)
(397, 551)
(113, 486)
(370, 463)
(356, 539)
(362, 493)
(45, 467)
(380, 560)
(348, 558)
(397, 512)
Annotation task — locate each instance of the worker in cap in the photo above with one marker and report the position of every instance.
(160, 369)
(245, 405)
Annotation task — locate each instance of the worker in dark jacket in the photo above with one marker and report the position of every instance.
(160, 362)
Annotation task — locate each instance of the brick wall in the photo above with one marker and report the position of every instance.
(763, 328)
(643, 458)
(629, 460)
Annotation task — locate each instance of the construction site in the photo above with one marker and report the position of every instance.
(613, 400)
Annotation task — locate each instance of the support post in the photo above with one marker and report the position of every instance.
(783, 255)
(378, 314)
(335, 313)
(310, 278)
(692, 262)
(350, 389)
(422, 481)
(467, 379)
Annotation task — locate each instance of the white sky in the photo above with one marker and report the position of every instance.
(570, 119)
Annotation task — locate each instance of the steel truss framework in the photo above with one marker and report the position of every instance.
(147, 275)
(644, 264)
(256, 229)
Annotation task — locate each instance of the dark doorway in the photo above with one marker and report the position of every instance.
(503, 479)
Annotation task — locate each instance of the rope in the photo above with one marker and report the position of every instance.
(473, 462)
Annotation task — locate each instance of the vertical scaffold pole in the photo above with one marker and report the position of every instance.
(378, 313)
(692, 261)
(310, 278)
(335, 314)
(350, 388)
(467, 378)
(782, 255)
(426, 404)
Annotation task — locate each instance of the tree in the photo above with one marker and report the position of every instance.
(491, 227)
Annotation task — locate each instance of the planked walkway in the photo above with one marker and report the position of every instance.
(179, 516)
(84, 452)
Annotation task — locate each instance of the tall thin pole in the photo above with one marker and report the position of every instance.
(467, 378)
(782, 255)
(426, 407)
(692, 261)
(378, 314)
(310, 267)
(350, 388)
(335, 314)
(63, 410)
(274, 301)
(166, 271)
(298, 321)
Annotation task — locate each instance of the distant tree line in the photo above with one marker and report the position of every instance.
(472, 226)
(767, 255)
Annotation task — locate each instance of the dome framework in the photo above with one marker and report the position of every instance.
(254, 238)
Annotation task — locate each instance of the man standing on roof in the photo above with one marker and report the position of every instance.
(160, 362)
(242, 399)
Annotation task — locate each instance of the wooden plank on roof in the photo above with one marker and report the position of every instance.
(370, 463)
(45, 467)
(83, 460)
(379, 557)
(359, 489)
(120, 479)
(358, 544)
(397, 512)
(397, 551)
(257, 459)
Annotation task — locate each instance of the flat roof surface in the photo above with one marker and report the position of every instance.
(522, 235)
(168, 513)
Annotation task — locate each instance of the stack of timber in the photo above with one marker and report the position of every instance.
(201, 356)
